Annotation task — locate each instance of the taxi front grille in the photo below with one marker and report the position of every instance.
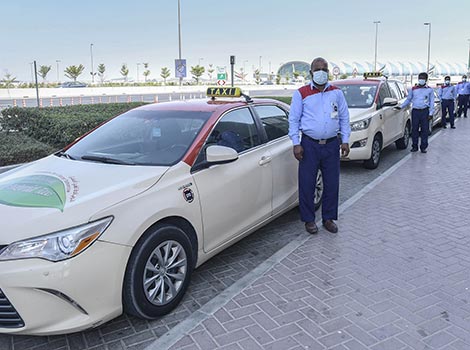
(9, 318)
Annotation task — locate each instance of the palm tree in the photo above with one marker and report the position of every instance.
(8, 80)
(73, 72)
(210, 71)
(165, 74)
(197, 71)
(146, 71)
(43, 70)
(101, 70)
(124, 71)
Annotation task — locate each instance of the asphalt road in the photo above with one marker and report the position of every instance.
(208, 281)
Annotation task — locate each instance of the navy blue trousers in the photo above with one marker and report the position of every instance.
(462, 103)
(447, 107)
(326, 158)
(420, 127)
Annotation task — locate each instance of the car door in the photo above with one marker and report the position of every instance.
(284, 165)
(236, 196)
(399, 115)
(387, 115)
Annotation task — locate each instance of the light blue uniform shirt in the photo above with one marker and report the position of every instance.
(319, 115)
(447, 92)
(420, 97)
(463, 88)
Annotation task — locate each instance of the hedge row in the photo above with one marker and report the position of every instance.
(27, 134)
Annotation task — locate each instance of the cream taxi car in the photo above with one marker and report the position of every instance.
(374, 122)
(118, 220)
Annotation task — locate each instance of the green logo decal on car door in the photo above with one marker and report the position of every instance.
(34, 191)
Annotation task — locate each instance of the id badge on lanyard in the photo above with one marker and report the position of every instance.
(334, 110)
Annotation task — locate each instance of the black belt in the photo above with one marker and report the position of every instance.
(321, 141)
(447, 99)
(421, 109)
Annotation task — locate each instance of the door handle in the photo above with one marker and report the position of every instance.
(265, 160)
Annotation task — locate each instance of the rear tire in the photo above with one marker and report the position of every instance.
(403, 142)
(158, 272)
(374, 160)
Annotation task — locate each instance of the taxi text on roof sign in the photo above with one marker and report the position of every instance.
(372, 74)
(224, 92)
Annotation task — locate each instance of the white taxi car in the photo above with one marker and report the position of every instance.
(118, 220)
(374, 122)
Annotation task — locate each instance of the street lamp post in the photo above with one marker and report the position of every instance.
(179, 36)
(138, 64)
(429, 45)
(32, 73)
(376, 36)
(57, 62)
(468, 65)
(92, 71)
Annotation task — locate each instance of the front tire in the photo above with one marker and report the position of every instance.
(374, 160)
(158, 272)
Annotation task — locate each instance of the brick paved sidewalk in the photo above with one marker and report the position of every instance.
(395, 276)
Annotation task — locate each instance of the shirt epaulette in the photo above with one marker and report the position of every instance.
(307, 90)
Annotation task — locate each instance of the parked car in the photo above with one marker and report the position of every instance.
(437, 115)
(375, 124)
(72, 84)
(118, 220)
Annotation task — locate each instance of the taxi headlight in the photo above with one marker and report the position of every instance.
(57, 246)
(360, 125)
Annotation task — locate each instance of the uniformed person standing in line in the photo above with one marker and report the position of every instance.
(447, 94)
(320, 114)
(421, 97)
(463, 96)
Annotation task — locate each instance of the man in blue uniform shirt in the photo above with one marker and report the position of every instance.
(463, 96)
(447, 95)
(320, 114)
(421, 97)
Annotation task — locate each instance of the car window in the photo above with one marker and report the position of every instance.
(142, 137)
(237, 130)
(383, 93)
(275, 121)
(402, 88)
(359, 96)
(394, 90)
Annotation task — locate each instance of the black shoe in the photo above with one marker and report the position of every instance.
(414, 149)
(330, 226)
(444, 127)
(452, 127)
(424, 151)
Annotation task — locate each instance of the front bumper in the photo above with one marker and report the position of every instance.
(67, 296)
(359, 153)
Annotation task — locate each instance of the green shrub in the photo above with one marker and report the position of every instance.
(15, 148)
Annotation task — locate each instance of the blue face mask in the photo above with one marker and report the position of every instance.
(421, 82)
(447, 82)
(320, 77)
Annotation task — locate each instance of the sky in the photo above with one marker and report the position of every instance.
(262, 33)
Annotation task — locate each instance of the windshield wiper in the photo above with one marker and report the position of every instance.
(106, 160)
(65, 154)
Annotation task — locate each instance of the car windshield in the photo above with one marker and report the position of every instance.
(141, 137)
(359, 96)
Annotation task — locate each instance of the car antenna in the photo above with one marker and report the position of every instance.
(247, 98)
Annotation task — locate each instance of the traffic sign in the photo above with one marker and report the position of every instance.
(336, 70)
(221, 76)
(354, 72)
(221, 82)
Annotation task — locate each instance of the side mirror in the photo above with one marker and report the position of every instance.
(389, 101)
(220, 154)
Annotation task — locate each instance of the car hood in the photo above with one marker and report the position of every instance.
(55, 193)
(356, 114)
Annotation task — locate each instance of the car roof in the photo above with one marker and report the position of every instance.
(206, 105)
(358, 81)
